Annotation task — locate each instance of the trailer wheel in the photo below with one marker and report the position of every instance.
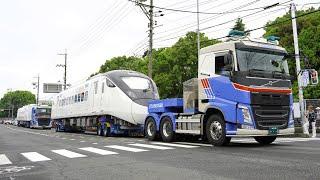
(99, 131)
(265, 140)
(216, 131)
(150, 129)
(166, 130)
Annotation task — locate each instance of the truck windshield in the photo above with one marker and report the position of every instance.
(43, 111)
(261, 61)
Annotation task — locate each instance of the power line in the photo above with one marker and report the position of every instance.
(188, 26)
(212, 13)
(261, 27)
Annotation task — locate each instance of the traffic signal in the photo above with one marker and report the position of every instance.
(314, 77)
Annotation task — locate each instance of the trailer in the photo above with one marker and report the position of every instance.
(34, 116)
(243, 89)
(111, 103)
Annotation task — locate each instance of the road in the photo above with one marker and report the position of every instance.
(44, 154)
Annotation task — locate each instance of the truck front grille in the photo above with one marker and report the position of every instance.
(43, 122)
(271, 116)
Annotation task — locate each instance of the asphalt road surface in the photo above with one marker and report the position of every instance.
(44, 154)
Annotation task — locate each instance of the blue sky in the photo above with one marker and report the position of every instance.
(33, 32)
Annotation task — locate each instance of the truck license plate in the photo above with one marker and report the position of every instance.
(273, 131)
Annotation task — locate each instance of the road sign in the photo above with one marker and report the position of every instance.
(52, 88)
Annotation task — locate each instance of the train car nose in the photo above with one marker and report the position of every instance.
(138, 112)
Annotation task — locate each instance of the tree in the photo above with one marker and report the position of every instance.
(15, 100)
(171, 66)
(176, 64)
(124, 63)
(239, 25)
(309, 35)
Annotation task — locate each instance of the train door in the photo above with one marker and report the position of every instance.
(96, 96)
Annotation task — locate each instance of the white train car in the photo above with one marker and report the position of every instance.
(33, 116)
(110, 103)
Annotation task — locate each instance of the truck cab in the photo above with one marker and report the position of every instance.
(243, 88)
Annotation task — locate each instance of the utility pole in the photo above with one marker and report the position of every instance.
(198, 30)
(298, 68)
(150, 39)
(37, 85)
(149, 15)
(65, 68)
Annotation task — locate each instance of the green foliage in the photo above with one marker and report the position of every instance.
(15, 100)
(178, 63)
(239, 25)
(309, 44)
(123, 63)
(171, 66)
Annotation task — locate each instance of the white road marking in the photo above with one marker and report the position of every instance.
(71, 139)
(174, 145)
(82, 141)
(35, 157)
(151, 146)
(63, 138)
(4, 160)
(124, 148)
(68, 154)
(95, 143)
(196, 144)
(98, 151)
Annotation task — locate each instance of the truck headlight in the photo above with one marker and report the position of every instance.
(246, 115)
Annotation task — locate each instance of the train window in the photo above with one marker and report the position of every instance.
(76, 98)
(86, 96)
(137, 83)
(102, 88)
(96, 87)
(109, 83)
(82, 97)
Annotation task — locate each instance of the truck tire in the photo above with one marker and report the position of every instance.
(265, 140)
(105, 132)
(166, 130)
(150, 129)
(216, 131)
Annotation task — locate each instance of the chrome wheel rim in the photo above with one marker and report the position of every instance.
(166, 129)
(216, 130)
(150, 129)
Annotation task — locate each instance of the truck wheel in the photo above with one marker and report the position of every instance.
(150, 129)
(105, 132)
(265, 140)
(216, 131)
(166, 130)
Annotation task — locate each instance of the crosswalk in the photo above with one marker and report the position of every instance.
(131, 147)
(84, 152)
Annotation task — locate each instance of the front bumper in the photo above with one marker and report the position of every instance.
(256, 132)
